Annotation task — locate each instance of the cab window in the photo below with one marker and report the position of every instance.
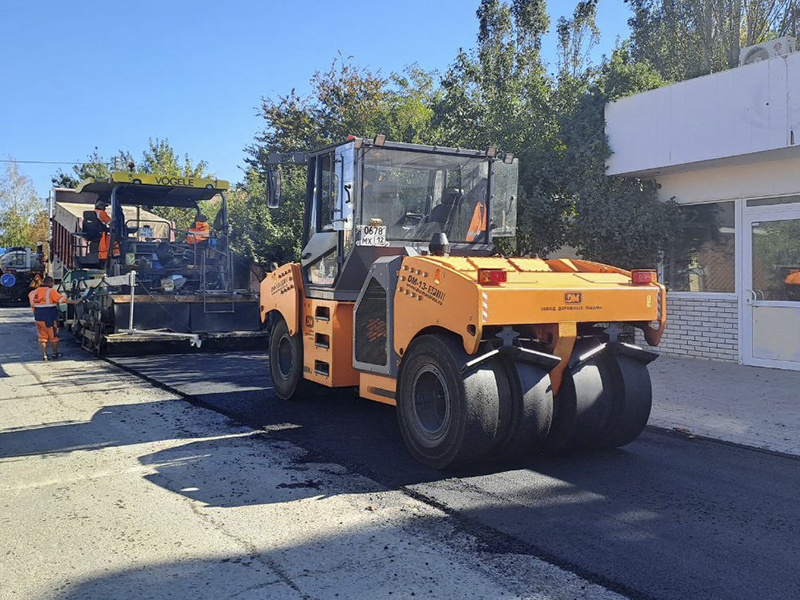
(326, 193)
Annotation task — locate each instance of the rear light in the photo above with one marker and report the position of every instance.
(644, 276)
(491, 276)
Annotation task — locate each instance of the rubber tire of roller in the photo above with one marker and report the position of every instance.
(583, 404)
(471, 429)
(526, 412)
(289, 386)
(633, 399)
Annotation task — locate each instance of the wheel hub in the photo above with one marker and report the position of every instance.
(285, 356)
(431, 402)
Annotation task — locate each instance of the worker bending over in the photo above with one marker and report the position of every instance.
(44, 303)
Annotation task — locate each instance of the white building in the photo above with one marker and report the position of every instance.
(727, 148)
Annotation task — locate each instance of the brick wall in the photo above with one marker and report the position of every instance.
(702, 328)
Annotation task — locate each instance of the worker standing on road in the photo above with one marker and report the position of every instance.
(44, 303)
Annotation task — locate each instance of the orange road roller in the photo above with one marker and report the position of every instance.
(400, 293)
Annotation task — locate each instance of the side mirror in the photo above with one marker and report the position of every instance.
(274, 188)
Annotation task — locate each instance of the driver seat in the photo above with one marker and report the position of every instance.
(441, 211)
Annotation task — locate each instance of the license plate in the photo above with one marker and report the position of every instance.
(373, 235)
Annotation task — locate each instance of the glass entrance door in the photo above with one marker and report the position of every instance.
(771, 312)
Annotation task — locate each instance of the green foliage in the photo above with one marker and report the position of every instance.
(159, 158)
(258, 233)
(500, 94)
(95, 167)
(23, 218)
(686, 38)
(616, 220)
(346, 100)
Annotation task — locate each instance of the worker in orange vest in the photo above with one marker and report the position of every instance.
(102, 253)
(44, 304)
(200, 230)
(100, 209)
(477, 224)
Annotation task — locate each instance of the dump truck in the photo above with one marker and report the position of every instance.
(140, 283)
(400, 293)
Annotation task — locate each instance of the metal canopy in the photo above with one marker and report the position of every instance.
(154, 190)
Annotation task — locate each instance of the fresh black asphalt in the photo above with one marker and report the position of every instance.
(667, 517)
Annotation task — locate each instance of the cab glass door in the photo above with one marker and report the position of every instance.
(320, 255)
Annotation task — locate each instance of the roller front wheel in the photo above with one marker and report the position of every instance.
(286, 360)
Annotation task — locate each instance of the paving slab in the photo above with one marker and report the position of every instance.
(753, 406)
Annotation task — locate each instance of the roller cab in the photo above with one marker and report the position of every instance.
(399, 293)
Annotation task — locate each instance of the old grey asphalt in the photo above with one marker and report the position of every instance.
(667, 517)
(111, 488)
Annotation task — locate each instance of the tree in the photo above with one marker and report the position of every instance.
(576, 39)
(95, 167)
(23, 219)
(346, 100)
(687, 38)
(617, 220)
(158, 158)
(500, 94)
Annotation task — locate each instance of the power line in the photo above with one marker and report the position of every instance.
(44, 162)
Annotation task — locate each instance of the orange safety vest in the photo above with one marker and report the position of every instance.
(199, 232)
(45, 297)
(478, 223)
(102, 252)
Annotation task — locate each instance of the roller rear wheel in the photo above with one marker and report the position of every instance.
(526, 412)
(584, 403)
(447, 418)
(633, 399)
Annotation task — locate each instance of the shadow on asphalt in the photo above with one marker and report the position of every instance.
(668, 517)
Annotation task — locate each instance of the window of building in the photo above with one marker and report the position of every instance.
(703, 258)
(773, 201)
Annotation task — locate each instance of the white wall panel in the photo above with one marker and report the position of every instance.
(776, 177)
(739, 111)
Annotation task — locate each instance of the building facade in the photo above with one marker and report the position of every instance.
(726, 147)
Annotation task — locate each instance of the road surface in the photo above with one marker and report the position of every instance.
(665, 518)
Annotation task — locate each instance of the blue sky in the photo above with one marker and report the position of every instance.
(112, 74)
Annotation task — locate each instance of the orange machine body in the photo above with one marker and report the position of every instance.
(546, 299)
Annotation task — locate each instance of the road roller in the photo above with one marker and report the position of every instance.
(400, 293)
